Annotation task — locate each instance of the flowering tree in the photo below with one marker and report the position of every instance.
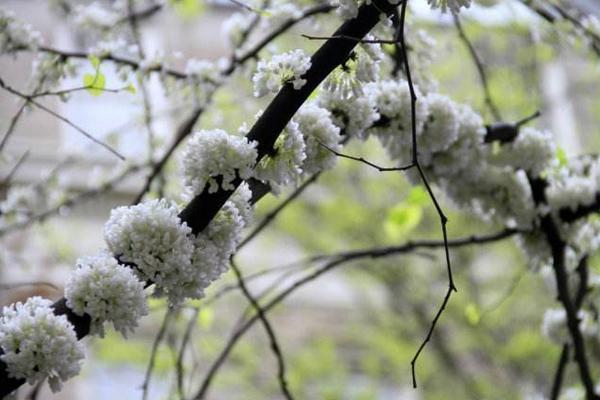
(366, 80)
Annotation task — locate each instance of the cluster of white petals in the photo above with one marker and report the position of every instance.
(215, 244)
(279, 12)
(95, 15)
(215, 158)
(532, 151)
(574, 185)
(107, 292)
(361, 67)
(453, 5)
(272, 74)
(284, 166)
(152, 236)
(16, 35)
(352, 115)
(38, 344)
(393, 101)
(318, 130)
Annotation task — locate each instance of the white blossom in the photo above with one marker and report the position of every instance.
(215, 158)
(284, 166)
(352, 115)
(394, 128)
(318, 129)
(108, 292)
(151, 236)
(361, 67)
(16, 35)
(272, 74)
(215, 244)
(440, 128)
(94, 15)
(532, 150)
(38, 344)
(281, 12)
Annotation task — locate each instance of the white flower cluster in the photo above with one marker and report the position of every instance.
(279, 12)
(151, 236)
(16, 35)
(392, 100)
(318, 129)
(272, 74)
(108, 292)
(94, 15)
(531, 151)
(285, 165)
(215, 158)
(215, 245)
(453, 5)
(38, 344)
(352, 115)
(574, 185)
(361, 67)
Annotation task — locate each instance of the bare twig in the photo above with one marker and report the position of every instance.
(157, 340)
(480, 69)
(30, 99)
(269, 330)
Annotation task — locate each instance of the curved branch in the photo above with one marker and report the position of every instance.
(265, 131)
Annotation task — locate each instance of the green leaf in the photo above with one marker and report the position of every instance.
(402, 219)
(561, 155)
(95, 61)
(188, 8)
(131, 89)
(94, 83)
(472, 314)
(418, 196)
(206, 317)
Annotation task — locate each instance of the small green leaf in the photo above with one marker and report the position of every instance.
(561, 155)
(94, 83)
(206, 317)
(402, 219)
(131, 89)
(95, 61)
(472, 314)
(188, 8)
(418, 196)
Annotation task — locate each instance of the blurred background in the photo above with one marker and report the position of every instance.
(352, 333)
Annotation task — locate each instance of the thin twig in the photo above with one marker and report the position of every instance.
(157, 340)
(268, 329)
(29, 99)
(487, 96)
(442, 216)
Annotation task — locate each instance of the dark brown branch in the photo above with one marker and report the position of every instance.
(557, 246)
(265, 131)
